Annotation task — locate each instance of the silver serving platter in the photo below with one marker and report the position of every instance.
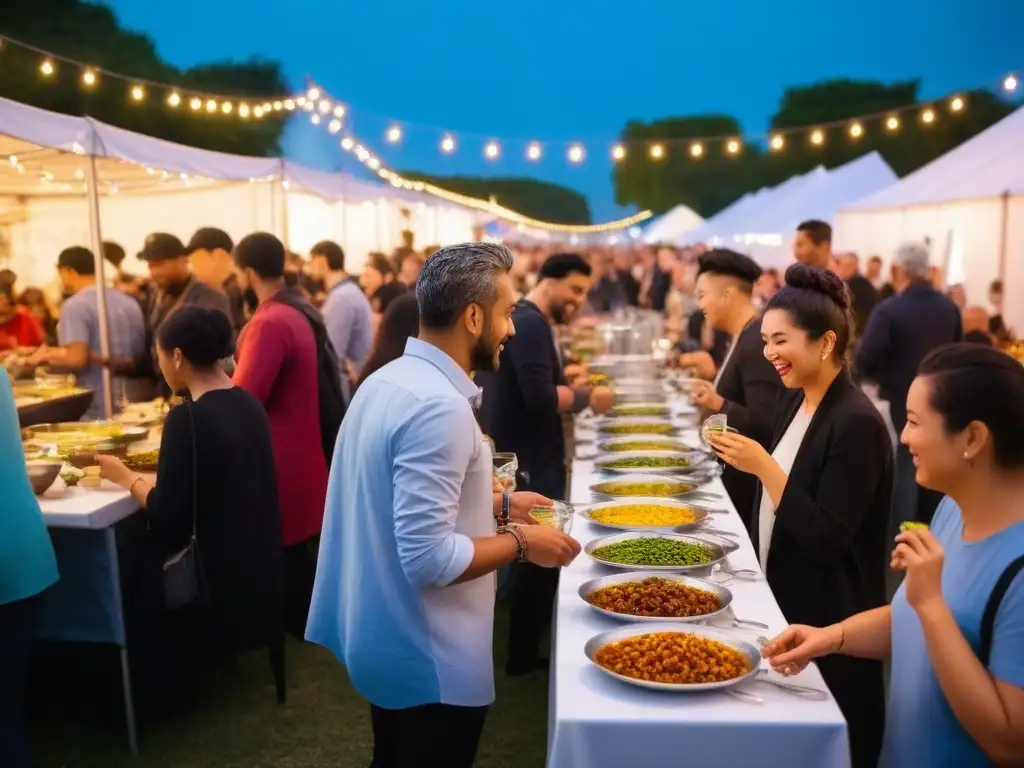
(694, 462)
(747, 649)
(700, 513)
(721, 548)
(608, 446)
(662, 410)
(695, 480)
(723, 595)
(638, 395)
(634, 425)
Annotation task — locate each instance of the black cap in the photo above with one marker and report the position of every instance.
(78, 259)
(210, 239)
(722, 261)
(161, 246)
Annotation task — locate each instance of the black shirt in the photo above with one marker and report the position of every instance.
(520, 403)
(864, 297)
(630, 286)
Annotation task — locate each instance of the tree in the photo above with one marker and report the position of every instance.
(90, 33)
(536, 199)
(709, 186)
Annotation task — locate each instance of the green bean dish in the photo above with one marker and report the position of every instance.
(639, 409)
(639, 428)
(655, 551)
(647, 462)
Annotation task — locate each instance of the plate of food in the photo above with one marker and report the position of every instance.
(636, 425)
(651, 462)
(645, 514)
(655, 597)
(676, 657)
(661, 552)
(656, 409)
(628, 443)
(660, 486)
(143, 461)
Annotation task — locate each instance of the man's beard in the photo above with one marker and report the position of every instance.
(560, 312)
(175, 287)
(250, 298)
(484, 357)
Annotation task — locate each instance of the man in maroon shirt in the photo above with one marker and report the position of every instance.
(18, 328)
(277, 364)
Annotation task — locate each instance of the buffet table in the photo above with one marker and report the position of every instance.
(598, 722)
(85, 605)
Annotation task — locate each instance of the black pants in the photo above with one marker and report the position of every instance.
(438, 735)
(299, 575)
(533, 590)
(17, 621)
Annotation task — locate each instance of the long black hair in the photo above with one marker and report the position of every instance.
(401, 321)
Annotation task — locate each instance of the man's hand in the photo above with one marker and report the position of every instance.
(703, 394)
(602, 399)
(700, 362)
(521, 504)
(548, 547)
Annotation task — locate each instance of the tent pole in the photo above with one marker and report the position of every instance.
(437, 225)
(1004, 235)
(283, 223)
(378, 234)
(96, 235)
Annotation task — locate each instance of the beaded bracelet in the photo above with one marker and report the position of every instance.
(519, 536)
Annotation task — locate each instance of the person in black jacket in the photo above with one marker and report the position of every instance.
(821, 523)
(746, 387)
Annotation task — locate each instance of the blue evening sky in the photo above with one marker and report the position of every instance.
(559, 71)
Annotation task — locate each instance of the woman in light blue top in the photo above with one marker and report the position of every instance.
(955, 629)
(27, 567)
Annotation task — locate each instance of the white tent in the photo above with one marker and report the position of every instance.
(707, 230)
(672, 225)
(969, 201)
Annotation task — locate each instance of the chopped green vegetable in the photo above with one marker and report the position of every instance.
(910, 525)
(655, 551)
(671, 462)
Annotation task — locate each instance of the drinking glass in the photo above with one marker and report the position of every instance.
(505, 467)
(558, 516)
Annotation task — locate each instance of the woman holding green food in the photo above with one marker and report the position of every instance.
(955, 629)
(820, 524)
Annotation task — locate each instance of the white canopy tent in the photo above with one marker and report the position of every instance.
(969, 203)
(672, 226)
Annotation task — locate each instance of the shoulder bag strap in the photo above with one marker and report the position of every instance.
(988, 619)
(195, 470)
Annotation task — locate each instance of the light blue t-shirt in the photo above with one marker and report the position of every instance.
(921, 729)
(410, 489)
(349, 322)
(27, 563)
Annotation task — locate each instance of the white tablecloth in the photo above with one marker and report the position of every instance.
(598, 722)
(93, 508)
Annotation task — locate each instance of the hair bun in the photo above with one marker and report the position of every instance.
(820, 281)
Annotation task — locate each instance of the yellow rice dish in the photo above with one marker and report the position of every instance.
(644, 515)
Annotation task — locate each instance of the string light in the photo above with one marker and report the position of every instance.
(856, 131)
(957, 104)
(313, 94)
(777, 143)
(576, 153)
(243, 111)
(289, 104)
(89, 78)
(817, 137)
(492, 150)
(447, 145)
(195, 104)
(394, 134)
(138, 93)
(324, 106)
(733, 146)
(928, 116)
(533, 151)
(46, 68)
(347, 144)
(315, 119)
(1010, 83)
(339, 111)
(173, 99)
(696, 149)
(227, 107)
(657, 151)
(211, 105)
(334, 126)
(892, 123)
(618, 153)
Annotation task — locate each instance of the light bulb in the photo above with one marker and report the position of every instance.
(289, 104)
(492, 150)
(313, 93)
(817, 137)
(892, 123)
(46, 68)
(258, 111)
(334, 126)
(448, 145)
(618, 152)
(347, 144)
(1010, 83)
(89, 78)
(856, 131)
(777, 142)
(533, 151)
(928, 116)
(173, 99)
(211, 105)
(657, 151)
(278, 106)
(195, 104)
(244, 110)
(394, 134)
(138, 93)
(956, 105)
(732, 146)
(227, 107)
(696, 149)
(339, 111)
(576, 153)
(374, 163)
(315, 119)
(325, 106)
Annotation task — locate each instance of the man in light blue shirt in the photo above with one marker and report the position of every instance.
(405, 584)
(346, 310)
(79, 329)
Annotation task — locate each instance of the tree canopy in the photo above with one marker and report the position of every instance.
(90, 33)
(709, 183)
(530, 197)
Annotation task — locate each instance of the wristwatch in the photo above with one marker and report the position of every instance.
(506, 509)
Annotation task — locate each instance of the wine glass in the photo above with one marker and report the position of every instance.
(505, 467)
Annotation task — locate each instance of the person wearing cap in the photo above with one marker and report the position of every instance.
(900, 333)
(175, 284)
(209, 252)
(746, 388)
(78, 330)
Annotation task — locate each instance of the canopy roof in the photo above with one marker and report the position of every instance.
(672, 225)
(986, 166)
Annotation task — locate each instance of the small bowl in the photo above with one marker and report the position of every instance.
(42, 474)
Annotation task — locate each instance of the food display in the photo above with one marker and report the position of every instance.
(910, 525)
(599, 379)
(677, 658)
(639, 409)
(143, 461)
(644, 516)
(647, 462)
(655, 596)
(637, 428)
(656, 551)
(625, 445)
(654, 487)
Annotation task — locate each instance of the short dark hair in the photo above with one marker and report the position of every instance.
(974, 382)
(818, 231)
(203, 334)
(8, 277)
(401, 321)
(817, 301)
(561, 265)
(877, 258)
(331, 251)
(78, 259)
(457, 276)
(210, 239)
(261, 252)
(380, 262)
(996, 286)
(113, 253)
(722, 261)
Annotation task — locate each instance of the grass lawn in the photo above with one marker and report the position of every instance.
(325, 723)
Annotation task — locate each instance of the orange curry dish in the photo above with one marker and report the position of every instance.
(655, 597)
(678, 658)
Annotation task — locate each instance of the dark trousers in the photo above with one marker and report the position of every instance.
(533, 589)
(299, 575)
(17, 621)
(438, 735)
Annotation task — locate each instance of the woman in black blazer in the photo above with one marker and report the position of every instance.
(821, 515)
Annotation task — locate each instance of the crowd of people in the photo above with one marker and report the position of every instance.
(331, 470)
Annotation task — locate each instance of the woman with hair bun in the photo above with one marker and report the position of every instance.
(955, 629)
(821, 513)
(216, 474)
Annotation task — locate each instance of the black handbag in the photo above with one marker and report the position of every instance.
(184, 580)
